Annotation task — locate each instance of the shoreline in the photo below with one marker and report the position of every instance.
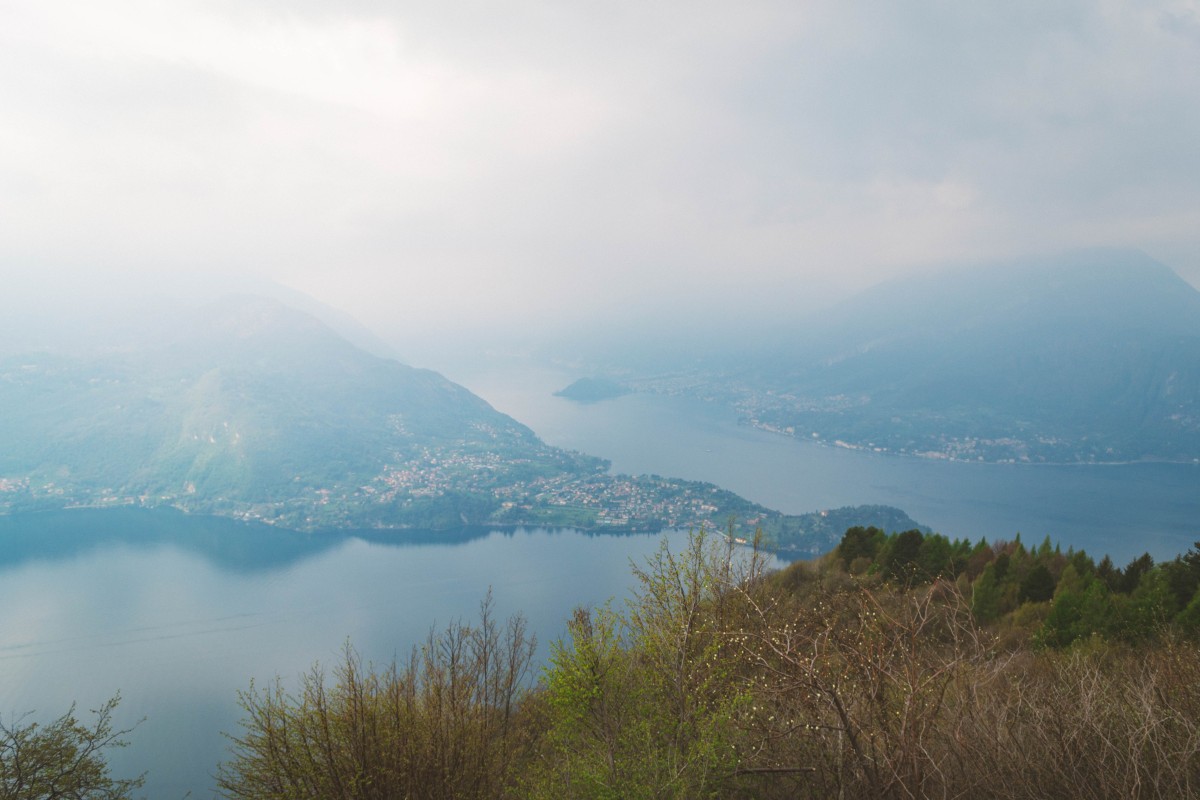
(871, 451)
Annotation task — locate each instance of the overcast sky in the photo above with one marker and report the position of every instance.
(441, 165)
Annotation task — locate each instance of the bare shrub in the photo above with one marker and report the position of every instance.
(884, 694)
(446, 725)
(852, 691)
(1089, 723)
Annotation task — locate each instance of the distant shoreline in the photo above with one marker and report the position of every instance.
(884, 451)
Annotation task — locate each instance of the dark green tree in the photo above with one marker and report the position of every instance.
(1146, 611)
(1045, 549)
(858, 542)
(1132, 574)
(986, 596)
(1002, 564)
(1082, 562)
(1108, 573)
(1183, 575)
(900, 559)
(935, 557)
(1037, 586)
(1187, 621)
(1078, 614)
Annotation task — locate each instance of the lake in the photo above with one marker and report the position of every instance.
(1122, 510)
(178, 613)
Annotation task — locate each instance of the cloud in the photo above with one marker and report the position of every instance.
(431, 166)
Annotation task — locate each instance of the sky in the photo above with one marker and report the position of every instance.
(463, 168)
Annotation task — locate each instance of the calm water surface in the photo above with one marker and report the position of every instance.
(1120, 510)
(180, 613)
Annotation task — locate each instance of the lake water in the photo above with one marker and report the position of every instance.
(180, 613)
(1122, 510)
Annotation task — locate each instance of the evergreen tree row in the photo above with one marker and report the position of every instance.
(1056, 598)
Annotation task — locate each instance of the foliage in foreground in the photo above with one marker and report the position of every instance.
(645, 703)
(62, 759)
(718, 680)
(445, 725)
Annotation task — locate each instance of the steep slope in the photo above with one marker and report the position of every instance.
(244, 404)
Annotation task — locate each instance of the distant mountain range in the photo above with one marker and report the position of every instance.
(1089, 357)
(248, 408)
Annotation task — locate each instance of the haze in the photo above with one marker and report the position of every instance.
(461, 170)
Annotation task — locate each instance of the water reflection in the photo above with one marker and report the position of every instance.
(179, 613)
(230, 544)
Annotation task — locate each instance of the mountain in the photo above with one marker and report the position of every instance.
(1090, 356)
(245, 404)
(247, 408)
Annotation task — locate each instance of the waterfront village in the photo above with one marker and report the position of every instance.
(583, 498)
(501, 488)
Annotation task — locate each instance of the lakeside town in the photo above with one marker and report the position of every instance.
(508, 490)
(447, 487)
(582, 495)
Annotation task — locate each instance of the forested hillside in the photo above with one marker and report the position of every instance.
(902, 665)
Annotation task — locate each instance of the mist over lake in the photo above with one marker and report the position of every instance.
(1122, 510)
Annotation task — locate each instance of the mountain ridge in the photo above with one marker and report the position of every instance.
(1092, 356)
